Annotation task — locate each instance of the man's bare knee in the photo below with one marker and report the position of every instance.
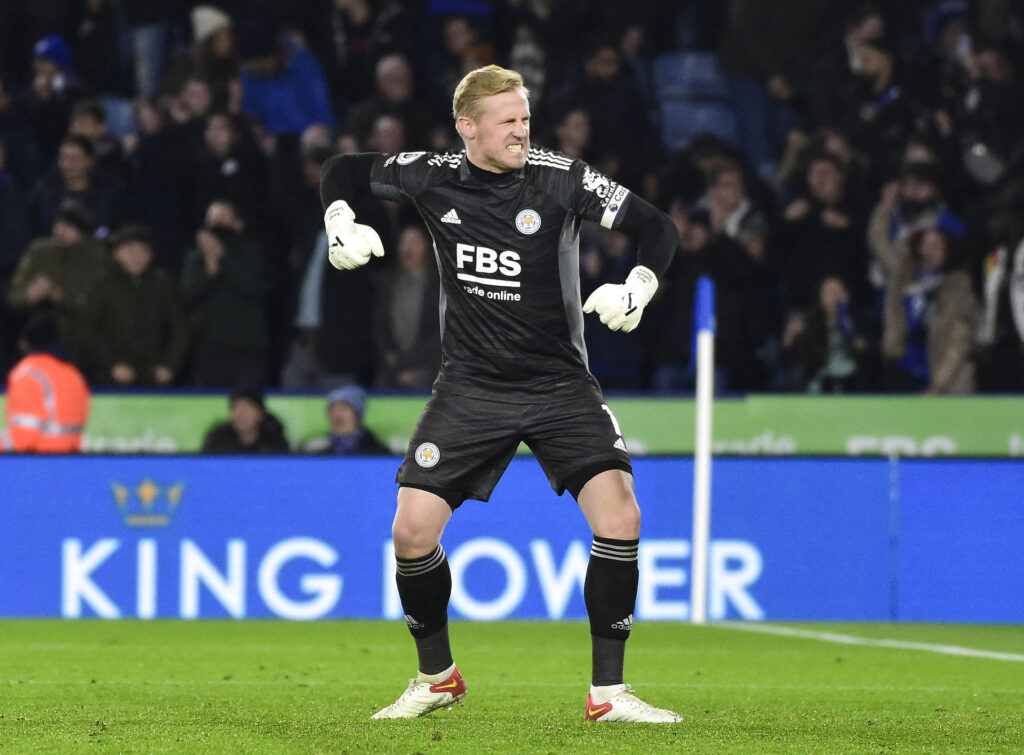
(419, 522)
(610, 506)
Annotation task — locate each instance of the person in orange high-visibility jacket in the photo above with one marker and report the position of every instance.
(47, 398)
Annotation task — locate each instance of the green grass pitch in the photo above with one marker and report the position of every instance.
(290, 687)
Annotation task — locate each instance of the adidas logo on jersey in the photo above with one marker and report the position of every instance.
(451, 217)
(625, 625)
(619, 444)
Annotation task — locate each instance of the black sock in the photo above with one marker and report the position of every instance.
(607, 657)
(609, 592)
(424, 587)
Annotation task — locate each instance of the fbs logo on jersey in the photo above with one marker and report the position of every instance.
(528, 222)
(408, 157)
(427, 455)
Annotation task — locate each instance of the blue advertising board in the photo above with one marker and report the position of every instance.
(309, 538)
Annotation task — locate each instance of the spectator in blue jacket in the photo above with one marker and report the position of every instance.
(282, 84)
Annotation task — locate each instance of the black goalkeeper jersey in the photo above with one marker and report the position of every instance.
(507, 249)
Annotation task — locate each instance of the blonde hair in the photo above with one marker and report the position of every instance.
(481, 83)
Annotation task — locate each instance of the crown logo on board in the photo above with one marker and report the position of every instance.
(147, 504)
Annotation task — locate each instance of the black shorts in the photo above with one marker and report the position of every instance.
(462, 445)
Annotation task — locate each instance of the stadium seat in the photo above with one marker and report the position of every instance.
(689, 76)
(120, 116)
(682, 121)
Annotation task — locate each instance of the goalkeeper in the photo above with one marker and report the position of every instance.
(505, 219)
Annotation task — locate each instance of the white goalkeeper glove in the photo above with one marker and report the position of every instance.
(620, 305)
(350, 244)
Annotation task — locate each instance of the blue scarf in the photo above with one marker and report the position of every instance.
(342, 445)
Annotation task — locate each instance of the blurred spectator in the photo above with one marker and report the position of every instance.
(823, 235)
(251, 429)
(407, 324)
(102, 47)
(58, 271)
(231, 167)
(609, 96)
(225, 290)
(347, 436)
(283, 86)
(191, 101)
(136, 332)
(387, 135)
(1001, 333)
(73, 177)
(572, 134)
(18, 135)
(824, 348)
(743, 309)
(879, 107)
(364, 31)
(767, 48)
(523, 40)
(47, 402)
(834, 72)
(46, 103)
(458, 45)
(732, 211)
(214, 54)
(911, 203)
(394, 95)
(931, 315)
(987, 114)
(89, 120)
(159, 192)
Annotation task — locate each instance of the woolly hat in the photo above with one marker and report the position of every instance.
(206, 20)
(54, 49)
(79, 215)
(352, 395)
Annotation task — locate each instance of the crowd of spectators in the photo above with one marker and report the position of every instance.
(850, 174)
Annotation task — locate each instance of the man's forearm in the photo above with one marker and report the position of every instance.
(656, 234)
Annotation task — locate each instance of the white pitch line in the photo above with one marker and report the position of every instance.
(849, 639)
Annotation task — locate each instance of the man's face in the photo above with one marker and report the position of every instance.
(134, 257)
(917, 190)
(499, 138)
(66, 233)
(85, 125)
(218, 135)
(343, 418)
(412, 250)
(394, 81)
(694, 236)
(728, 189)
(74, 162)
(825, 181)
(932, 250)
(246, 416)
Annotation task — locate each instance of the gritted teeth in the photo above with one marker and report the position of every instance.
(514, 147)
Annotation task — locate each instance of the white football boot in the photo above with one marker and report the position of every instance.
(617, 702)
(425, 693)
